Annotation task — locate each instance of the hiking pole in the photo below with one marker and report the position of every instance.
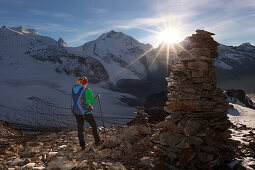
(99, 102)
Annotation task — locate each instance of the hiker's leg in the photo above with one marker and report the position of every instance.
(80, 122)
(90, 119)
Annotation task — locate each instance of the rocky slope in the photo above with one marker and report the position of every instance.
(133, 146)
(125, 147)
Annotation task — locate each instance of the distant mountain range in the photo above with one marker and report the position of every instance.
(33, 65)
(236, 67)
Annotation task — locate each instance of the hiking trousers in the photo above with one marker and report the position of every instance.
(80, 121)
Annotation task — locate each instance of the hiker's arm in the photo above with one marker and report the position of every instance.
(92, 99)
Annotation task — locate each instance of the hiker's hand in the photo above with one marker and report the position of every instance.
(98, 96)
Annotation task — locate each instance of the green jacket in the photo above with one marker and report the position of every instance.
(90, 99)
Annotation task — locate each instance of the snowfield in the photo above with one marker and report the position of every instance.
(241, 115)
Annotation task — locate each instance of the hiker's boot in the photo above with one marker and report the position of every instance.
(83, 148)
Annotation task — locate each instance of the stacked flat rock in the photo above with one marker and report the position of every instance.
(196, 132)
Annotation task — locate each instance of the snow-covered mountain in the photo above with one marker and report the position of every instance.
(240, 54)
(37, 73)
(116, 51)
(18, 44)
(235, 67)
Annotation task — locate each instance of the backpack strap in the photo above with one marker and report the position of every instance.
(85, 95)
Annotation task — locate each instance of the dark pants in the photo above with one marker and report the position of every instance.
(80, 121)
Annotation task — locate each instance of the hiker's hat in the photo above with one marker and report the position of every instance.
(84, 80)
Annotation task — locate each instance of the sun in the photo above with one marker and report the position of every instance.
(169, 36)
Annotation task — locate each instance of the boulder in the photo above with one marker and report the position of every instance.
(191, 127)
(252, 146)
(118, 166)
(185, 156)
(116, 153)
(103, 153)
(15, 148)
(170, 139)
(241, 96)
(198, 65)
(194, 140)
(126, 148)
(197, 73)
(34, 144)
(28, 166)
(61, 163)
(168, 125)
(147, 160)
(141, 129)
(205, 157)
(110, 143)
(17, 161)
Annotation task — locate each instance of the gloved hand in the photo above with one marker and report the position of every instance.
(98, 96)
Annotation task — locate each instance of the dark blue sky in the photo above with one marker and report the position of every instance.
(79, 21)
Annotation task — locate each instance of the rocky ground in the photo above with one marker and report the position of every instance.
(125, 147)
(141, 144)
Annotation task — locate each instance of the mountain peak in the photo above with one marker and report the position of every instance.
(3, 27)
(111, 34)
(20, 29)
(245, 44)
(112, 31)
(62, 42)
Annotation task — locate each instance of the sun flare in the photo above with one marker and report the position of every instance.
(169, 36)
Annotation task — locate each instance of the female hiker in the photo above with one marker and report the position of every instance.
(82, 98)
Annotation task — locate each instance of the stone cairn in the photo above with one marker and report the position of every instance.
(195, 135)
